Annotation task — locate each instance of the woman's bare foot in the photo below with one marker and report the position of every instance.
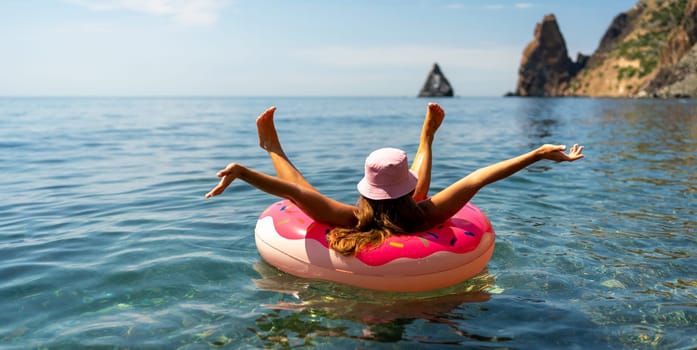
(268, 138)
(434, 117)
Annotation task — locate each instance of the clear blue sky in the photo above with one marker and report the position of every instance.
(277, 47)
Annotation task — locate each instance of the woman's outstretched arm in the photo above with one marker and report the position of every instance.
(447, 202)
(316, 205)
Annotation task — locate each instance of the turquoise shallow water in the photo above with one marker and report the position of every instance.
(106, 240)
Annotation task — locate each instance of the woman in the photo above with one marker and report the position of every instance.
(393, 198)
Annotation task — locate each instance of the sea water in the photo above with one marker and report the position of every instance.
(106, 240)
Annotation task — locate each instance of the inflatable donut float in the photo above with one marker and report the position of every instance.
(445, 255)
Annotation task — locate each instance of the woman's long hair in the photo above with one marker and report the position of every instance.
(377, 220)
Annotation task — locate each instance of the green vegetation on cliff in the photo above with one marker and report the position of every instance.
(647, 46)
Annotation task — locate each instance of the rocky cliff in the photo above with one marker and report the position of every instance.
(546, 68)
(436, 84)
(647, 51)
(678, 74)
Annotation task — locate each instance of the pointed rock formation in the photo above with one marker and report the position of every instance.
(546, 69)
(436, 84)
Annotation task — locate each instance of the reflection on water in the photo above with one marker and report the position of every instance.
(540, 118)
(384, 316)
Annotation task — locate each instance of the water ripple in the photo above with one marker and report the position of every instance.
(107, 241)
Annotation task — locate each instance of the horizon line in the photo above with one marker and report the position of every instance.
(246, 96)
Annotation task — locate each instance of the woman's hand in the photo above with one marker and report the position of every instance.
(556, 153)
(227, 175)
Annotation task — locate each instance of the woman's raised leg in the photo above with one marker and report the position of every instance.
(421, 165)
(268, 140)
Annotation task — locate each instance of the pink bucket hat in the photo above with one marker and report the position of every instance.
(387, 175)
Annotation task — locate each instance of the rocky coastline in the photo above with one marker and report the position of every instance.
(648, 51)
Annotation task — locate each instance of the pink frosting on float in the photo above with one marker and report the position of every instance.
(460, 234)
